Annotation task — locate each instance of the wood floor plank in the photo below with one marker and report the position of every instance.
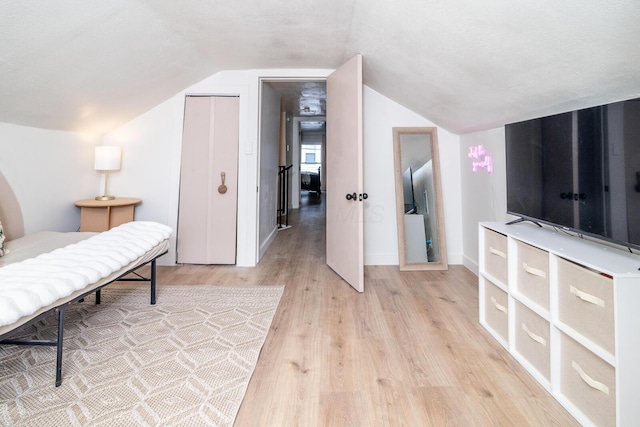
(409, 351)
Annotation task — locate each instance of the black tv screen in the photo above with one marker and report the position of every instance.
(579, 170)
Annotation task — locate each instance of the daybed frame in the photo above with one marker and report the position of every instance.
(59, 309)
(11, 217)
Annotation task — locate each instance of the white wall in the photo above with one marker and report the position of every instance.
(151, 144)
(49, 170)
(484, 195)
(269, 153)
(381, 115)
(151, 164)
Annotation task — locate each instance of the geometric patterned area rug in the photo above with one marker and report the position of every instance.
(185, 361)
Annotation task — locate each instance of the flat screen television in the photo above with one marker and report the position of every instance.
(579, 171)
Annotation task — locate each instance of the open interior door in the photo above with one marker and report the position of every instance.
(345, 228)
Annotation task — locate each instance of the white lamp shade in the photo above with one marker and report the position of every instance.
(107, 158)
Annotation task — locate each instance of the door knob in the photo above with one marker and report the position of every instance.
(364, 196)
(352, 196)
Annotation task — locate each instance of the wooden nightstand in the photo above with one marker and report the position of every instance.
(101, 215)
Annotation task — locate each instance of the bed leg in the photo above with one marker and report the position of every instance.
(59, 347)
(153, 282)
(98, 294)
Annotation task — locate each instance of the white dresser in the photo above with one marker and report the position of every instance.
(568, 310)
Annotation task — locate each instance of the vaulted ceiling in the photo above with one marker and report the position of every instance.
(466, 65)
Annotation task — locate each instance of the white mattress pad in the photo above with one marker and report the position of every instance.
(29, 285)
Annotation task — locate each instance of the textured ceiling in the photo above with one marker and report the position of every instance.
(303, 99)
(91, 65)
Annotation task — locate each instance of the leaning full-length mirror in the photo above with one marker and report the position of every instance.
(421, 240)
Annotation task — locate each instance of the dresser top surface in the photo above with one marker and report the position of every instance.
(592, 254)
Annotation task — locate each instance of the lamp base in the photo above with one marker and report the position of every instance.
(103, 198)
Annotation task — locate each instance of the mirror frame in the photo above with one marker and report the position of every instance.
(435, 158)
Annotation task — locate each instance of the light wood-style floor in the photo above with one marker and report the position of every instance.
(409, 351)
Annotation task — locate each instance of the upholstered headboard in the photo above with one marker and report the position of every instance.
(10, 212)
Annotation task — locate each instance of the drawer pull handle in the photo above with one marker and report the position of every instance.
(536, 338)
(587, 297)
(497, 252)
(590, 381)
(500, 307)
(534, 271)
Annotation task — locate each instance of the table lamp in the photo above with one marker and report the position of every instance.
(107, 158)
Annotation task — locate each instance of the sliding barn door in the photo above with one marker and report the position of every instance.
(209, 181)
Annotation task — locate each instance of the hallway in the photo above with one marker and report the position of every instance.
(306, 236)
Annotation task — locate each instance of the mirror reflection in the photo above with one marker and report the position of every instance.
(420, 225)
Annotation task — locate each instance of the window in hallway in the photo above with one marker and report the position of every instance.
(311, 157)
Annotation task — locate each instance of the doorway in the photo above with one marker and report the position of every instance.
(344, 181)
(312, 157)
(301, 106)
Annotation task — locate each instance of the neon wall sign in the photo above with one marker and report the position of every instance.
(480, 159)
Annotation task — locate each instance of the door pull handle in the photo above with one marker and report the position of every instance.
(352, 196)
(364, 196)
(222, 188)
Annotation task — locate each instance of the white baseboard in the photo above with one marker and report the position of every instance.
(471, 265)
(381, 259)
(264, 246)
(392, 259)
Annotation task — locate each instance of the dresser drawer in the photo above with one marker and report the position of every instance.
(533, 274)
(532, 338)
(495, 255)
(495, 309)
(588, 382)
(585, 303)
